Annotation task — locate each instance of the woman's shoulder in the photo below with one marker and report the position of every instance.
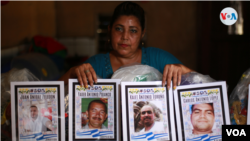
(160, 55)
(98, 57)
(155, 51)
(99, 63)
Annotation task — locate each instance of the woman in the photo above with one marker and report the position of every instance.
(126, 30)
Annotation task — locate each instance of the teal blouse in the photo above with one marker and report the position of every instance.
(151, 56)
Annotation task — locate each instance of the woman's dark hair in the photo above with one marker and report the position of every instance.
(129, 8)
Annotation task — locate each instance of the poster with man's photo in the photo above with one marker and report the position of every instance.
(37, 108)
(94, 110)
(201, 109)
(248, 111)
(147, 112)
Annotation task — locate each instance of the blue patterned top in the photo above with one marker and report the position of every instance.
(151, 56)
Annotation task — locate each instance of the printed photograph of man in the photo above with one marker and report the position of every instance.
(97, 114)
(202, 118)
(147, 117)
(36, 123)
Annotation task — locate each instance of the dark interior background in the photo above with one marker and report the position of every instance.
(191, 31)
(222, 56)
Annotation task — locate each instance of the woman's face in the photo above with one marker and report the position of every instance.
(126, 34)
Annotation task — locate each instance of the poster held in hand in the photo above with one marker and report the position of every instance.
(37, 111)
(147, 112)
(201, 110)
(248, 110)
(94, 112)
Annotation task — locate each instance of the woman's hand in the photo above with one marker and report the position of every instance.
(82, 73)
(173, 71)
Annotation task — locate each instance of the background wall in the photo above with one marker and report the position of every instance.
(191, 31)
(165, 26)
(170, 25)
(21, 20)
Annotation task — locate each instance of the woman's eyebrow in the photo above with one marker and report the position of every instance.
(119, 25)
(132, 27)
(123, 26)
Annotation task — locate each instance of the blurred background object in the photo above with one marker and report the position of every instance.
(4, 2)
(237, 28)
(190, 30)
(13, 75)
(40, 65)
(238, 100)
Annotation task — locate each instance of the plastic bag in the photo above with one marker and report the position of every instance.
(16, 75)
(12, 75)
(238, 100)
(137, 73)
(195, 78)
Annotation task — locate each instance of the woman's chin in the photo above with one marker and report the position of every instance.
(122, 52)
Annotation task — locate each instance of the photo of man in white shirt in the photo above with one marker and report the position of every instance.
(36, 123)
(148, 120)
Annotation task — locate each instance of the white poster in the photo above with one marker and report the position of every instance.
(147, 112)
(95, 110)
(38, 109)
(202, 109)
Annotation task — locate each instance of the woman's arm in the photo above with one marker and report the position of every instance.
(174, 71)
